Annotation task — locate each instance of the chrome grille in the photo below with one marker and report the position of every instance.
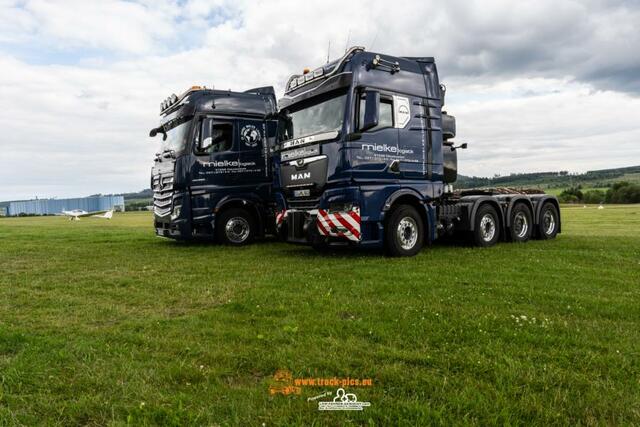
(306, 203)
(162, 193)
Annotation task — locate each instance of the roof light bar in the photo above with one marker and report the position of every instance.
(307, 76)
(173, 99)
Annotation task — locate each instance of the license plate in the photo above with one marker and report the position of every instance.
(300, 152)
(301, 193)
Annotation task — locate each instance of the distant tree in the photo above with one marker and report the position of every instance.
(623, 192)
(594, 197)
(571, 195)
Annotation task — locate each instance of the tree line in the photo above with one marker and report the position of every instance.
(620, 192)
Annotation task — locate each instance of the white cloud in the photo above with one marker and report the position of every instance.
(531, 86)
(545, 125)
(109, 24)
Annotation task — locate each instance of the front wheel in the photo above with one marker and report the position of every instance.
(235, 227)
(404, 232)
(487, 226)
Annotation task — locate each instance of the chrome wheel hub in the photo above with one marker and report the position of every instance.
(487, 227)
(548, 222)
(407, 233)
(237, 229)
(520, 225)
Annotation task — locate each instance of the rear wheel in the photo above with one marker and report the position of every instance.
(521, 223)
(404, 232)
(549, 222)
(487, 226)
(235, 227)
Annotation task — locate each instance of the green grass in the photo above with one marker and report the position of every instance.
(101, 323)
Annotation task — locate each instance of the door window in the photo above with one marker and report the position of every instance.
(385, 115)
(214, 137)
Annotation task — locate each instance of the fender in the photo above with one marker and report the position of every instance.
(251, 201)
(517, 199)
(399, 193)
(476, 201)
(540, 200)
(426, 211)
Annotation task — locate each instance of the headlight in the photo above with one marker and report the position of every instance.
(176, 212)
(342, 207)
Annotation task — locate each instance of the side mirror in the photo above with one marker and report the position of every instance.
(205, 144)
(371, 110)
(285, 125)
(157, 130)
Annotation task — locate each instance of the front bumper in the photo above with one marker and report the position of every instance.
(173, 222)
(179, 229)
(321, 225)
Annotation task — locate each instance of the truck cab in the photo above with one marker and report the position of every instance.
(367, 158)
(212, 176)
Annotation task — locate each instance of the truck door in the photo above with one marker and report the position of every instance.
(374, 151)
(390, 141)
(254, 152)
(217, 155)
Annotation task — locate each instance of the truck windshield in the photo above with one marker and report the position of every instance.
(176, 130)
(324, 115)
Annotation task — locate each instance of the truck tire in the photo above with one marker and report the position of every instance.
(235, 227)
(487, 226)
(549, 222)
(404, 232)
(521, 223)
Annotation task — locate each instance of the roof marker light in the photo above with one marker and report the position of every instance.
(306, 70)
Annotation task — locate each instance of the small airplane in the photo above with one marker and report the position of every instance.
(76, 214)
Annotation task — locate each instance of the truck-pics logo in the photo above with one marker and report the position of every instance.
(301, 175)
(250, 135)
(343, 401)
(384, 148)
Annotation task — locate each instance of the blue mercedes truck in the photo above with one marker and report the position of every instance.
(213, 173)
(367, 158)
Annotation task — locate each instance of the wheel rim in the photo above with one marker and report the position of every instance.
(487, 227)
(407, 233)
(548, 222)
(237, 229)
(520, 225)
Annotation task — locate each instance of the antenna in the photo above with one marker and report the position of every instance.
(328, 51)
(348, 40)
(374, 40)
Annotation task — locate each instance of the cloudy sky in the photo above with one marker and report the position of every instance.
(535, 86)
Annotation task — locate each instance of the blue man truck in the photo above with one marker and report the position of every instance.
(213, 174)
(367, 158)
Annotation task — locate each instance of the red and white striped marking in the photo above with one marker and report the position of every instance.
(280, 216)
(340, 224)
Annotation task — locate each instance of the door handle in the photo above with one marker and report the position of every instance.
(394, 167)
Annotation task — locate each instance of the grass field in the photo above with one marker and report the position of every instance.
(101, 323)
